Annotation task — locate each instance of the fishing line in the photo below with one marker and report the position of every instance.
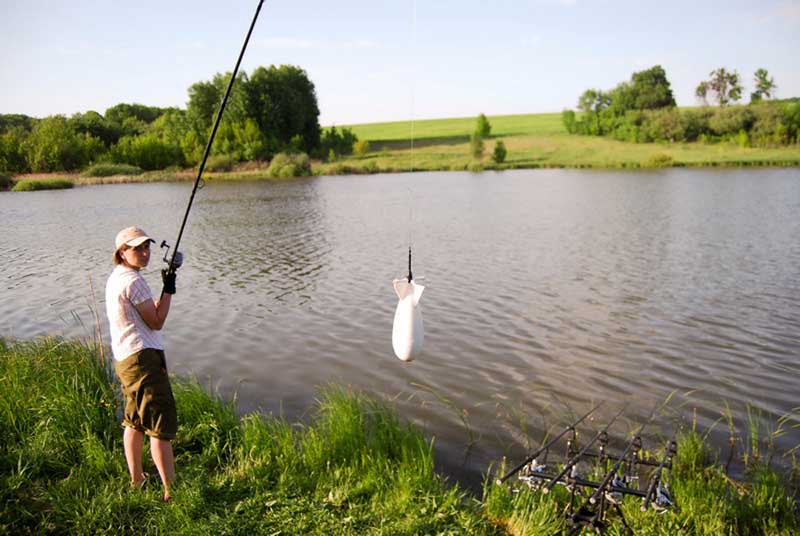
(413, 115)
(174, 261)
(408, 332)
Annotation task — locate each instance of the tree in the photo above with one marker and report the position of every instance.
(724, 86)
(593, 100)
(132, 119)
(651, 90)
(93, 124)
(205, 99)
(16, 122)
(483, 127)
(53, 145)
(765, 86)
(283, 102)
(500, 152)
(12, 153)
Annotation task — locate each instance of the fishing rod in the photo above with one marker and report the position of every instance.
(636, 441)
(575, 459)
(176, 259)
(530, 458)
(655, 481)
(596, 518)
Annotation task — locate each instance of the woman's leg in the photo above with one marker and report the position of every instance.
(132, 441)
(161, 450)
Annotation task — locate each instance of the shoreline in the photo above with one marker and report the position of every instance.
(355, 167)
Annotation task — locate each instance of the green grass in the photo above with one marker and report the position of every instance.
(351, 468)
(533, 141)
(354, 468)
(28, 185)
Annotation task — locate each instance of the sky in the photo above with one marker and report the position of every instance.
(374, 61)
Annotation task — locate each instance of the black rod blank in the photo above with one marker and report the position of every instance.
(575, 459)
(670, 450)
(207, 151)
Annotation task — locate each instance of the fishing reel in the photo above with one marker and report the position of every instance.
(177, 258)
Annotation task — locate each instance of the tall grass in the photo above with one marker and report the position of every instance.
(352, 468)
(706, 501)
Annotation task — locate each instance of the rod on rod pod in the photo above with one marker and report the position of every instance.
(546, 446)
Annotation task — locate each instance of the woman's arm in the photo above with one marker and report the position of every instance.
(153, 313)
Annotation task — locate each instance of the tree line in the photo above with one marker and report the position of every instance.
(643, 110)
(271, 110)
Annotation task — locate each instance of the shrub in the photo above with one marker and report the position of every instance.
(475, 167)
(483, 127)
(220, 163)
(792, 121)
(289, 165)
(109, 170)
(340, 142)
(371, 167)
(769, 127)
(147, 152)
(696, 124)
(5, 182)
(476, 145)
(658, 160)
(361, 148)
(568, 119)
(728, 121)
(500, 152)
(12, 153)
(665, 125)
(54, 146)
(31, 186)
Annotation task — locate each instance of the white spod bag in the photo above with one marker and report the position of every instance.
(408, 331)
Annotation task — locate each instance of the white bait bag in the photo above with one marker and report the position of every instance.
(408, 331)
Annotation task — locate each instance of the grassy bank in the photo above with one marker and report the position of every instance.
(352, 468)
(540, 141)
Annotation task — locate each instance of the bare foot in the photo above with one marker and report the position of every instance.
(138, 483)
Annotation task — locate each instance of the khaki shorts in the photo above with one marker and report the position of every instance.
(149, 404)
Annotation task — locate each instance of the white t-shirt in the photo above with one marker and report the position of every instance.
(125, 289)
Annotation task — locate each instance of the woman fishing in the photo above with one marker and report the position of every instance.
(135, 319)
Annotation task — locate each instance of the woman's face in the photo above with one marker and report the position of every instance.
(137, 257)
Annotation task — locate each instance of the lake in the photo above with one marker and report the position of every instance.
(546, 292)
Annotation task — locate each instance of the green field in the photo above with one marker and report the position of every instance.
(533, 141)
(352, 467)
